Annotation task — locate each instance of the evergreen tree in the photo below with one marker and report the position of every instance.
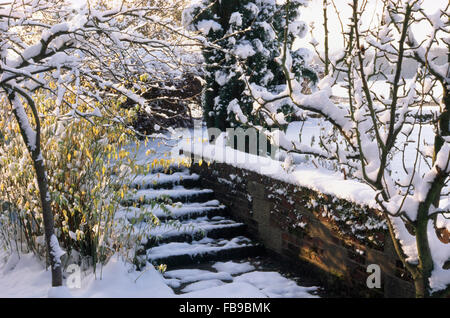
(251, 31)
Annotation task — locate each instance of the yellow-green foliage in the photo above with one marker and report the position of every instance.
(80, 157)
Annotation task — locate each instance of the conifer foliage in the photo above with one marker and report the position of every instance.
(247, 37)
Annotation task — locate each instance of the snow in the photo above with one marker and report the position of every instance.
(60, 59)
(149, 179)
(244, 50)
(252, 8)
(205, 26)
(96, 112)
(59, 292)
(29, 278)
(306, 174)
(440, 278)
(176, 211)
(233, 290)
(222, 77)
(119, 279)
(28, 270)
(382, 88)
(176, 192)
(236, 19)
(298, 28)
(269, 32)
(32, 51)
(199, 225)
(56, 250)
(272, 284)
(206, 245)
(233, 268)
(318, 179)
(24, 122)
(202, 285)
(255, 284)
(193, 275)
(233, 107)
(26, 276)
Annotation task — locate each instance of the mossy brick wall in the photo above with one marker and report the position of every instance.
(333, 239)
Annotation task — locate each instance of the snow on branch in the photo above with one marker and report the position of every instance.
(89, 50)
(373, 128)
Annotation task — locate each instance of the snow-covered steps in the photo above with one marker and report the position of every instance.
(196, 229)
(176, 194)
(244, 274)
(193, 227)
(194, 210)
(205, 250)
(185, 228)
(168, 170)
(161, 180)
(181, 212)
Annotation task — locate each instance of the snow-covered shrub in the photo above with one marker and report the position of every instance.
(82, 157)
(245, 39)
(81, 53)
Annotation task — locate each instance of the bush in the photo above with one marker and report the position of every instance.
(82, 157)
(248, 36)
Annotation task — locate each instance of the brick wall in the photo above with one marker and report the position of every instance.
(333, 239)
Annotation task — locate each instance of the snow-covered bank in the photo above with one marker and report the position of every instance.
(26, 277)
(305, 173)
(318, 179)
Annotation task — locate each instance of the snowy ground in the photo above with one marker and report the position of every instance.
(27, 277)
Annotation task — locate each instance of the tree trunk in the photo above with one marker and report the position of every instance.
(48, 218)
(420, 284)
(425, 266)
(41, 177)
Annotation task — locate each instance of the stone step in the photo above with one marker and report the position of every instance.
(176, 194)
(165, 181)
(189, 231)
(179, 278)
(173, 168)
(206, 250)
(179, 212)
(193, 211)
(271, 281)
(129, 178)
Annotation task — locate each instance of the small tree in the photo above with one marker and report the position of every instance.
(247, 37)
(78, 54)
(372, 128)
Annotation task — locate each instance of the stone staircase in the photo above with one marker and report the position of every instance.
(194, 233)
(196, 230)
